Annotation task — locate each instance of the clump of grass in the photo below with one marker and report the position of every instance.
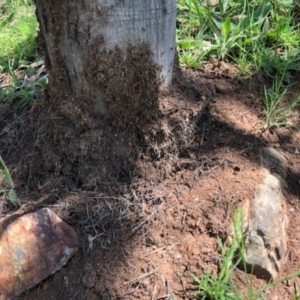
(245, 32)
(18, 49)
(18, 31)
(276, 112)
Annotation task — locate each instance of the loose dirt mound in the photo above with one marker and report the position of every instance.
(172, 187)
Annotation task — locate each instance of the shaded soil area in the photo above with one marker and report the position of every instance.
(173, 182)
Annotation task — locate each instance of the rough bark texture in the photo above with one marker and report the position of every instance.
(81, 36)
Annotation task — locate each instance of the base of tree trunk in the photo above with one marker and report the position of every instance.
(79, 140)
(142, 129)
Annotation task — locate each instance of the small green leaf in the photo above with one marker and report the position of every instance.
(266, 26)
(12, 196)
(262, 11)
(225, 30)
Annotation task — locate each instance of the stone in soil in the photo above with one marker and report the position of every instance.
(32, 247)
(274, 161)
(265, 221)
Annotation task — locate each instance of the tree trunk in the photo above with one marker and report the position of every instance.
(92, 47)
(107, 60)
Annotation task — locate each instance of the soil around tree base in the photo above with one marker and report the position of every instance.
(173, 187)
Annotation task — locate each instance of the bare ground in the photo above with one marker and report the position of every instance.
(173, 187)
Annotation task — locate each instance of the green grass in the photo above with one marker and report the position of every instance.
(18, 30)
(18, 47)
(257, 36)
(238, 31)
(276, 112)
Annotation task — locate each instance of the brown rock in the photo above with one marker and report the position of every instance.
(32, 247)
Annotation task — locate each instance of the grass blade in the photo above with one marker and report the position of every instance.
(6, 173)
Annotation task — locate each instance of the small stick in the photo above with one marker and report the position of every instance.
(141, 277)
(163, 297)
(182, 283)
(143, 222)
(296, 289)
(167, 246)
(168, 288)
(153, 293)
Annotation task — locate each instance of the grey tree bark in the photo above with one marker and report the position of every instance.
(91, 46)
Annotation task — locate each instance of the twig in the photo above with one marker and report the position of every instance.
(143, 276)
(167, 246)
(128, 263)
(183, 221)
(296, 289)
(2, 86)
(182, 283)
(143, 222)
(163, 297)
(202, 139)
(168, 287)
(153, 293)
